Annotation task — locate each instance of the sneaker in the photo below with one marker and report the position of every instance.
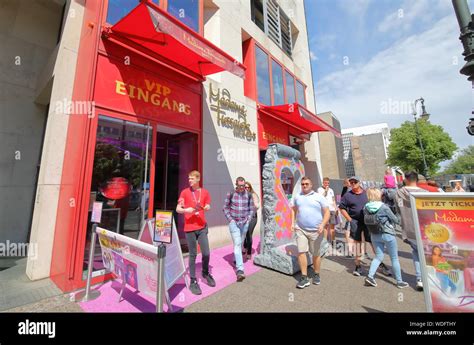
(358, 271)
(316, 279)
(370, 281)
(385, 270)
(419, 285)
(194, 287)
(240, 276)
(304, 282)
(210, 279)
(402, 285)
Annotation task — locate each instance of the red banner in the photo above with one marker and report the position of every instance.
(125, 88)
(271, 131)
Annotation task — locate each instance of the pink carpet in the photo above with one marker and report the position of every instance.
(221, 267)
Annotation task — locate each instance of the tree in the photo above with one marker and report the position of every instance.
(463, 164)
(404, 150)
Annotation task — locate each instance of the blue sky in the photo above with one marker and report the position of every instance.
(372, 55)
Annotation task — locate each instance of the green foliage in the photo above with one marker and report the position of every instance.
(404, 150)
(463, 164)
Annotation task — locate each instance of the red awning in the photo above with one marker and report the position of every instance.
(150, 28)
(297, 116)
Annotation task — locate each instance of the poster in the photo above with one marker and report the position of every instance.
(132, 260)
(174, 262)
(163, 226)
(444, 224)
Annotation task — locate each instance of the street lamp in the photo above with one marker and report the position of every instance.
(424, 116)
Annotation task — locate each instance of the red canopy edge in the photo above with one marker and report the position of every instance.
(296, 115)
(152, 29)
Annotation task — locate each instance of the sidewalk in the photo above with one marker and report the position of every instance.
(264, 291)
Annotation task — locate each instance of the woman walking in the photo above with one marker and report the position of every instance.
(381, 223)
(253, 222)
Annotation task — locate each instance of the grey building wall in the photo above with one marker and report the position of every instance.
(332, 151)
(29, 32)
(368, 155)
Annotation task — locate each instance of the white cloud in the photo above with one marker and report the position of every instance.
(411, 12)
(313, 56)
(418, 66)
(355, 8)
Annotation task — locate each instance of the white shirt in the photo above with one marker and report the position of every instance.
(329, 197)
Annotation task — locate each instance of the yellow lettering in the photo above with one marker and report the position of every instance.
(149, 85)
(166, 91)
(143, 95)
(131, 91)
(155, 99)
(176, 106)
(166, 103)
(187, 109)
(120, 87)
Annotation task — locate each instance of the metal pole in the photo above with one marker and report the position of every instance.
(464, 17)
(425, 172)
(161, 278)
(87, 294)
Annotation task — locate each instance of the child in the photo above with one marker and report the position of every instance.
(389, 190)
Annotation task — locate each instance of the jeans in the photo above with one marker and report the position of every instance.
(238, 232)
(446, 282)
(193, 238)
(248, 237)
(416, 259)
(380, 242)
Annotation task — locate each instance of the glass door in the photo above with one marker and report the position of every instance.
(120, 180)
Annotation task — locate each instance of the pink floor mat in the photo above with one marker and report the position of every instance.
(221, 267)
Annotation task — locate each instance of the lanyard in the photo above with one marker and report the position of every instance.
(197, 201)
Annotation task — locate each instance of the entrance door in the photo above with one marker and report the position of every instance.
(120, 180)
(176, 156)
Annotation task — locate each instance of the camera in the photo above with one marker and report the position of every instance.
(470, 126)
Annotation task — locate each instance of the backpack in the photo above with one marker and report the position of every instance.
(372, 222)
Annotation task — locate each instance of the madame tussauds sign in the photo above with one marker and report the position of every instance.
(222, 103)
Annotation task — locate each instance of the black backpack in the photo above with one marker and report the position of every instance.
(372, 222)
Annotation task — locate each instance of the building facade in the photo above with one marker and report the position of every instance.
(366, 150)
(332, 156)
(135, 94)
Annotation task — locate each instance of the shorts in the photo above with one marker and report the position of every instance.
(308, 241)
(356, 230)
(332, 218)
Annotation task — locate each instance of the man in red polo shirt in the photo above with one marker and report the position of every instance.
(193, 202)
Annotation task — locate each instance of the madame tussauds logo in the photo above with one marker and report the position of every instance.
(222, 102)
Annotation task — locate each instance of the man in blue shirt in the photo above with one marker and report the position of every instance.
(310, 215)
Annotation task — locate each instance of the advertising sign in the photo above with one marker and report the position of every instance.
(163, 226)
(132, 260)
(444, 225)
(174, 262)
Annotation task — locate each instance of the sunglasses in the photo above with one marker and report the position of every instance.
(305, 184)
(247, 187)
(353, 182)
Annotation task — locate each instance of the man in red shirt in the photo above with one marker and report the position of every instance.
(193, 202)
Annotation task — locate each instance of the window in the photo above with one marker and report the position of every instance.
(263, 76)
(271, 19)
(290, 88)
(277, 79)
(187, 11)
(120, 8)
(257, 13)
(301, 89)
